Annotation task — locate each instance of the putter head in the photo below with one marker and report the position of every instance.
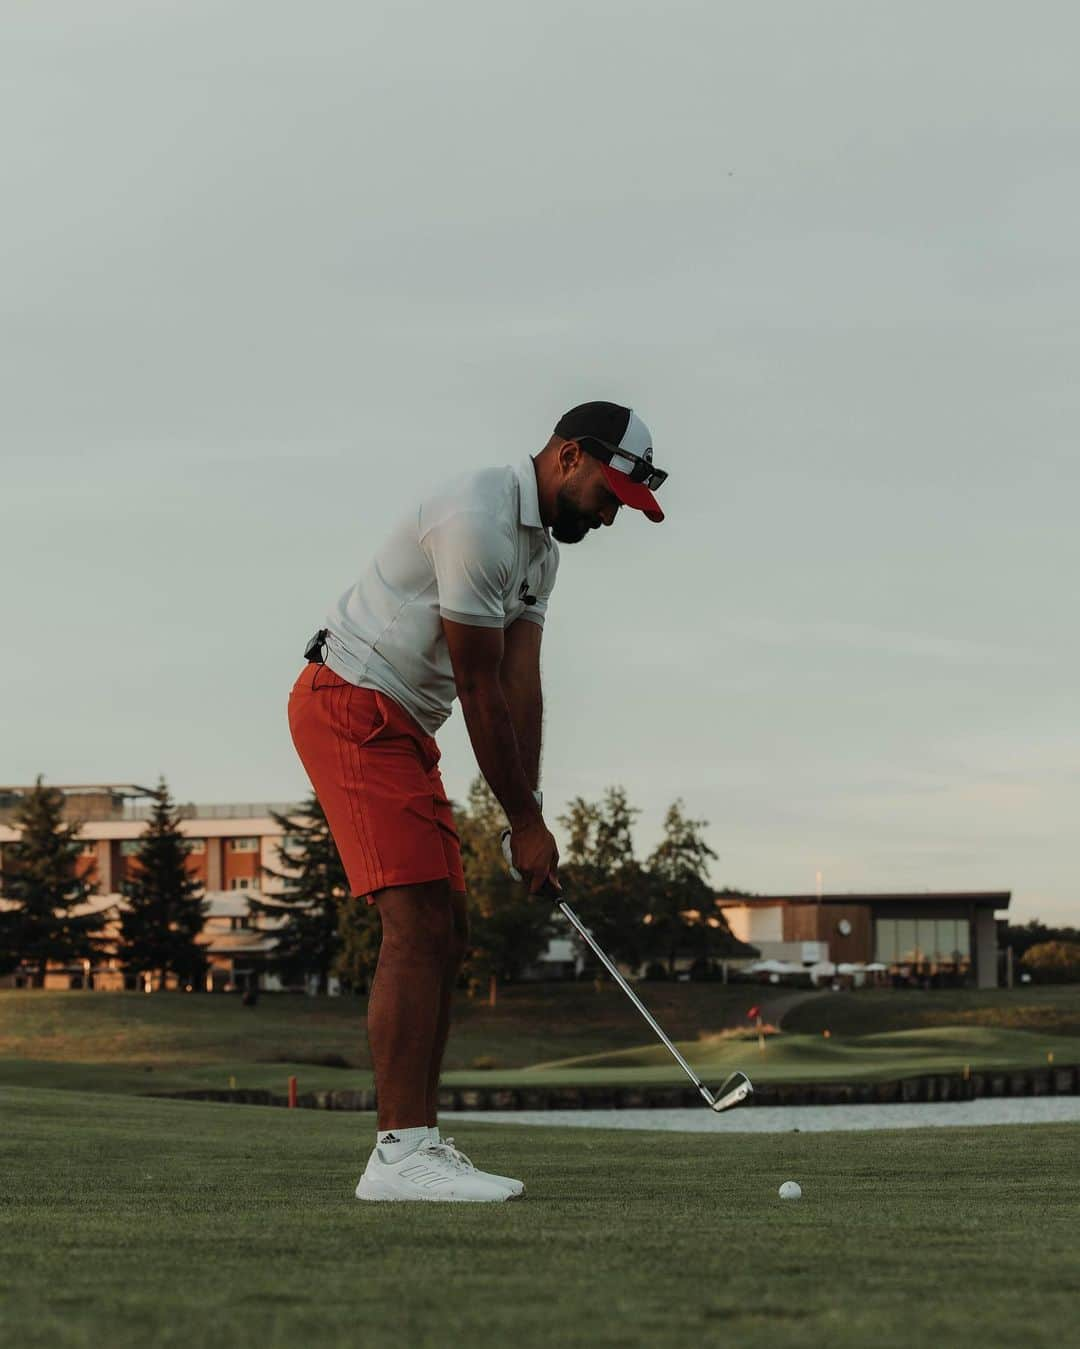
(736, 1089)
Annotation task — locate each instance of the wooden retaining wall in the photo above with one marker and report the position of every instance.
(1063, 1081)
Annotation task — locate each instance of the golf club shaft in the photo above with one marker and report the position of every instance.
(609, 965)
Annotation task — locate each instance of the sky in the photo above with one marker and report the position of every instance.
(269, 273)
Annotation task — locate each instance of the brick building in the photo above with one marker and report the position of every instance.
(230, 843)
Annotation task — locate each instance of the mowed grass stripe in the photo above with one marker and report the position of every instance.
(132, 1221)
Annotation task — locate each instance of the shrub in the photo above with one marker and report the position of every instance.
(1054, 962)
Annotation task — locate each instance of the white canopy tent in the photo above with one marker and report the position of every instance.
(775, 967)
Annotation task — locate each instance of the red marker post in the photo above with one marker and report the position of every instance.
(292, 1093)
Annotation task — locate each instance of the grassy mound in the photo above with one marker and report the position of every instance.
(1050, 1010)
(806, 1058)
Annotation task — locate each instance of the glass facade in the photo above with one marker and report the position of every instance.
(885, 942)
(922, 941)
(905, 938)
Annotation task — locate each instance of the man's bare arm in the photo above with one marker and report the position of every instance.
(476, 656)
(519, 675)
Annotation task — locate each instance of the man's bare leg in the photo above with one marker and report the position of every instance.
(459, 941)
(406, 998)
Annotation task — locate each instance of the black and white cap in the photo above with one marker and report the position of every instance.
(618, 428)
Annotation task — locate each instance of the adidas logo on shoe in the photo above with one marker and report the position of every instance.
(389, 1138)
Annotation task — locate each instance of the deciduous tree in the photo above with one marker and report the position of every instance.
(683, 911)
(1054, 962)
(607, 887)
(508, 929)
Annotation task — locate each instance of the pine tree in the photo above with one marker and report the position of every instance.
(508, 929)
(361, 933)
(165, 912)
(308, 907)
(38, 924)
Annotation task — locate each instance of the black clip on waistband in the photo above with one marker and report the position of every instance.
(316, 648)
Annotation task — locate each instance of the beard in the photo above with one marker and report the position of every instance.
(571, 523)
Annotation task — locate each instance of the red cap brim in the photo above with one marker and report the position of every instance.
(633, 494)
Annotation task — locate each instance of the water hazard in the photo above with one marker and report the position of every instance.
(802, 1118)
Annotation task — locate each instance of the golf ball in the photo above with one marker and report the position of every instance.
(791, 1189)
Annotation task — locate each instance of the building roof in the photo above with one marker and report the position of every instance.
(115, 802)
(115, 788)
(995, 899)
(233, 943)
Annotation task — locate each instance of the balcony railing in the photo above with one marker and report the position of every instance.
(189, 810)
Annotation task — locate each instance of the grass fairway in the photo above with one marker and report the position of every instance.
(133, 1222)
(174, 1030)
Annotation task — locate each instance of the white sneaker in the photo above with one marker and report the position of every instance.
(429, 1173)
(515, 1187)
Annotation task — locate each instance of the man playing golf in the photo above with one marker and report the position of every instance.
(452, 605)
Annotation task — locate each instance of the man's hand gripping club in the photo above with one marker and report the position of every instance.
(533, 854)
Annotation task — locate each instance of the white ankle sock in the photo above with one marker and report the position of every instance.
(394, 1144)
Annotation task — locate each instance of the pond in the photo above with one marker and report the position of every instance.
(804, 1118)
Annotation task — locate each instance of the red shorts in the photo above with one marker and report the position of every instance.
(375, 773)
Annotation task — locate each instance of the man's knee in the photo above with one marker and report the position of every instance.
(417, 922)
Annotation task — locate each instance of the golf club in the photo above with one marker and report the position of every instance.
(735, 1089)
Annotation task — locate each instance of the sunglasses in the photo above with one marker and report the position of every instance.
(635, 468)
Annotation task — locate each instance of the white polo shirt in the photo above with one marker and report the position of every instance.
(472, 553)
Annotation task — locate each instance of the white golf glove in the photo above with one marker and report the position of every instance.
(509, 856)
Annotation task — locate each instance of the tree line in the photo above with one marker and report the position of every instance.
(651, 912)
(45, 889)
(1051, 955)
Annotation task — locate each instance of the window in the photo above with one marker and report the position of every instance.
(129, 847)
(241, 883)
(244, 844)
(922, 941)
(237, 923)
(905, 940)
(885, 940)
(197, 845)
(926, 940)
